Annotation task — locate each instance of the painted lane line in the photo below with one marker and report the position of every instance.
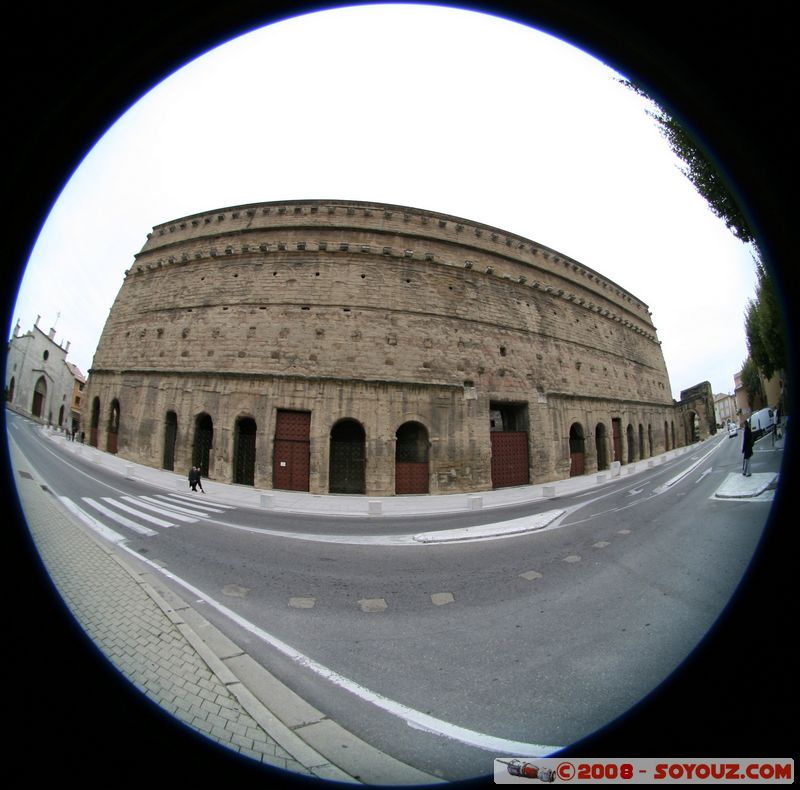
(92, 523)
(194, 501)
(119, 518)
(663, 488)
(413, 718)
(158, 508)
(152, 519)
(170, 508)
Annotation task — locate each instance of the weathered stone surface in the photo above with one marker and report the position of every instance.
(383, 315)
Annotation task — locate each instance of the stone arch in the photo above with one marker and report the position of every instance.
(94, 424)
(112, 435)
(244, 451)
(347, 461)
(12, 385)
(631, 443)
(601, 446)
(650, 440)
(39, 397)
(641, 442)
(577, 450)
(203, 442)
(170, 440)
(667, 444)
(411, 459)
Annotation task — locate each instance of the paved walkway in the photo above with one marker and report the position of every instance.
(181, 662)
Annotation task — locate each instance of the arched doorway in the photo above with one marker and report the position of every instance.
(95, 423)
(641, 441)
(170, 439)
(113, 427)
(347, 458)
(203, 442)
(244, 451)
(10, 392)
(667, 444)
(39, 395)
(577, 450)
(601, 446)
(411, 459)
(631, 443)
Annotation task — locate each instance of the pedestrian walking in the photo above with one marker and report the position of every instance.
(194, 479)
(747, 448)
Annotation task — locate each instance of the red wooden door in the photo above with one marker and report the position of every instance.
(291, 462)
(411, 477)
(509, 458)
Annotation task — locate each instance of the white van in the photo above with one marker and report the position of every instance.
(761, 422)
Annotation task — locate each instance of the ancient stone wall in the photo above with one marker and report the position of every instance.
(384, 315)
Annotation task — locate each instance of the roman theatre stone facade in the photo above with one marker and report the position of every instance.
(335, 346)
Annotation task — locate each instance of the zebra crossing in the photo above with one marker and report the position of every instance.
(142, 513)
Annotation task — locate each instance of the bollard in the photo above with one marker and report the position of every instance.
(615, 468)
(266, 500)
(375, 507)
(548, 491)
(475, 502)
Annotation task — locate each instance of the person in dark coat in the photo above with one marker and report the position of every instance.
(747, 448)
(194, 479)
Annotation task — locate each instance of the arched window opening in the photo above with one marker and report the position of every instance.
(112, 436)
(577, 450)
(39, 395)
(347, 458)
(203, 442)
(244, 451)
(94, 425)
(631, 437)
(170, 439)
(411, 459)
(601, 446)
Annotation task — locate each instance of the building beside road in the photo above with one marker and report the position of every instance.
(39, 381)
(339, 346)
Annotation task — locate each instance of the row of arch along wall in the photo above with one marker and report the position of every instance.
(385, 442)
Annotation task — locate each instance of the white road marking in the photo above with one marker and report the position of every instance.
(159, 522)
(166, 509)
(93, 523)
(213, 507)
(413, 718)
(119, 518)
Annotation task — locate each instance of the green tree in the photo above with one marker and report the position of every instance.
(751, 380)
(766, 340)
(699, 169)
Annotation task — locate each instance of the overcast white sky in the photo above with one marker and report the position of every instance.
(423, 106)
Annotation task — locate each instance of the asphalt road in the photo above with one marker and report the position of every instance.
(537, 639)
